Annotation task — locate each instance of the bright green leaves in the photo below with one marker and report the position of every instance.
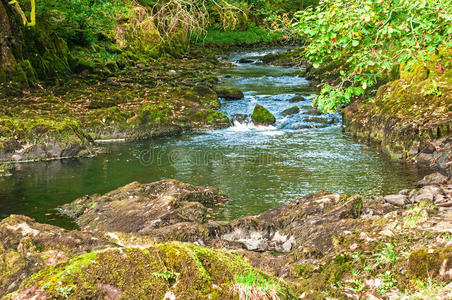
(369, 37)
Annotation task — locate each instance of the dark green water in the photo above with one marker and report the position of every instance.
(258, 167)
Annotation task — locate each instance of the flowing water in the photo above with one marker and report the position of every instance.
(258, 167)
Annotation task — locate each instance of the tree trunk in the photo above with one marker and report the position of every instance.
(7, 59)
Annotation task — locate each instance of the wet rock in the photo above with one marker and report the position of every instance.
(320, 120)
(291, 111)
(398, 200)
(229, 93)
(262, 116)
(312, 111)
(241, 118)
(297, 98)
(432, 179)
(246, 61)
(144, 208)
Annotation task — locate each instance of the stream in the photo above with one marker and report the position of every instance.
(258, 167)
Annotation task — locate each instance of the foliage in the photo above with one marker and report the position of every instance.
(369, 37)
(388, 282)
(387, 255)
(168, 276)
(80, 22)
(253, 35)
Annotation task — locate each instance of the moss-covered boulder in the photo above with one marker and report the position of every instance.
(291, 111)
(146, 208)
(262, 116)
(229, 93)
(164, 271)
(27, 246)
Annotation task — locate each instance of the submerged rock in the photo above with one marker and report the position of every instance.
(319, 120)
(291, 111)
(229, 93)
(262, 116)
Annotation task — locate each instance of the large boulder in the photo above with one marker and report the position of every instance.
(432, 179)
(262, 116)
(145, 208)
(163, 271)
(27, 246)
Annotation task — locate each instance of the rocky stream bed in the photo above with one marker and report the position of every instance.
(163, 240)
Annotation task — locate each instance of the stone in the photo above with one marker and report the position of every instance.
(241, 118)
(246, 61)
(291, 111)
(432, 179)
(405, 192)
(319, 120)
(145, 208)
(427, 193)
(262, 116)
(229, 93)
(397, 200)
(297, 98)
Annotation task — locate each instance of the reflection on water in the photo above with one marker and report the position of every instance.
(258, 167)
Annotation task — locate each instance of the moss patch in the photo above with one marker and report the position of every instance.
(199, 272)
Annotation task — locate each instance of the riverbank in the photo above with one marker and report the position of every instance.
(410, 115)
(321, 245)
(138, 102)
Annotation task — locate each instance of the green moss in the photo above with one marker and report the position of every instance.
(261, 116)
(199, 272)
(425, 264)
(217, 118)
(229, 93)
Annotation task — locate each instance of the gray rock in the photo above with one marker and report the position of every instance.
(432, 179)
(319, 120)
(297, 98)
(291, 111)
(405, 192)
(397, 200)
(427, 193)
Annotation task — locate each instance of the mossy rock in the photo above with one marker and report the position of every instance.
(262, 116)
(291, 111)
(229, 93)
(172, 270)
(425, 264)
(297, 98)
